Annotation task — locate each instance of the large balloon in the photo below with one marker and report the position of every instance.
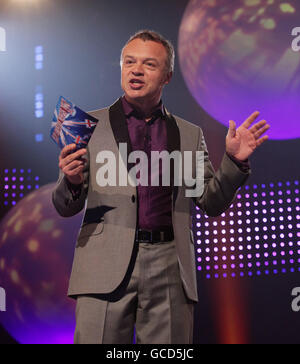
(36, 251)
(237, 57)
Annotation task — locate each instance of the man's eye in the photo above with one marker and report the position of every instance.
(150, 64)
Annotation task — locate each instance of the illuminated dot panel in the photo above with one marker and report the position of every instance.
(18, 183)
(258, 235)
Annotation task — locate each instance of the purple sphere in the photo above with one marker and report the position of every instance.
(36, 252)
(237, 57)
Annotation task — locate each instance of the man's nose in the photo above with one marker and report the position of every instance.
(138, 70)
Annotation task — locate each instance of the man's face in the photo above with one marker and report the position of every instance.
(144, 71)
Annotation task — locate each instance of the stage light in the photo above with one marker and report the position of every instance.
(2, 40)
(39, 57)
(17, 184)
(39, 138)
(39, 102)
(264, 248)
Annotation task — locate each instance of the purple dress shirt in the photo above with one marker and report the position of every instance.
(154, 202)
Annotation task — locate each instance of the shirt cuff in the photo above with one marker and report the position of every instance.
(244, 166)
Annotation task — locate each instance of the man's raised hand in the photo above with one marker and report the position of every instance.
(242, 142)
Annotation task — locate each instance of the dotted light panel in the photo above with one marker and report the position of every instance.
(39, 94)
(39, 103)
(39, 57)
(258, 235)
(17, 183)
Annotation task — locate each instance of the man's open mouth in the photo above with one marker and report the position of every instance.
(136, 84)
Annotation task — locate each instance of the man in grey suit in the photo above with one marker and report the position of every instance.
(134, 263)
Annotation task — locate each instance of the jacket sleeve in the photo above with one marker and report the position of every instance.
(221, 187)
(67, 203)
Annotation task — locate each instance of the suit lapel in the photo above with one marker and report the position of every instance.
(173, 134)
(173, 143)
(119, 127)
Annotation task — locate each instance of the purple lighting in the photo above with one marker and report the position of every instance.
(17, 185)
(252, 239)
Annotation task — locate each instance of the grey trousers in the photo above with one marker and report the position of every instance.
(153, 302)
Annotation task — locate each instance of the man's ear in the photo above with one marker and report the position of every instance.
(168, 78)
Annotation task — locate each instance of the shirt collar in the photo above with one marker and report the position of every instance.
(130, 110)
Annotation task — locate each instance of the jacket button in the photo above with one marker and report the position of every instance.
(133, 199)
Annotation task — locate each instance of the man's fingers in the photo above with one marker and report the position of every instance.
(261, 131)
(232, 129)
(76, 171)
(67, 150)
(69, 168)
(257, 126)
(70, 149)
(251, 119)
(71, 157)
(261, 140)
(74, 164)
(76, 155)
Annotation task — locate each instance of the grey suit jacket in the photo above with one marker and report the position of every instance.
(106, 238)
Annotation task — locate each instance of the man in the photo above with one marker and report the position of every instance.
(134, 263)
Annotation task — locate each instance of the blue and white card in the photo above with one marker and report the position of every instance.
(71, 125)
